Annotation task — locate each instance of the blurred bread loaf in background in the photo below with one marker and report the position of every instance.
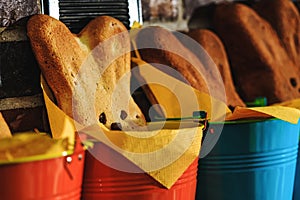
(260, 64)
(261, 40)
(165, 51)
(284, 17)
(213, 45)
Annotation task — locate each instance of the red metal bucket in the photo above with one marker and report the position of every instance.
(52, 179)
(103, 182)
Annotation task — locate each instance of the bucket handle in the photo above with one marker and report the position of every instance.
(69, 159)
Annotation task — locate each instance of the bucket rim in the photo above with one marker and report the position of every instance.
(40, 157)
(244, 121)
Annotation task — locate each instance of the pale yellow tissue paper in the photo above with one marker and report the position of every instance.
(177, 98)
(164, 154)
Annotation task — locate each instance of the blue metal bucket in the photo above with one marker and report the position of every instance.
(297, 178)
(252, 160)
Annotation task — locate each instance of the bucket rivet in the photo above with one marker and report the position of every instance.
(80, 157)
(69, 159)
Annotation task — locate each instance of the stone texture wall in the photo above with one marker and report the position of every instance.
(13, 10)
(21, 101)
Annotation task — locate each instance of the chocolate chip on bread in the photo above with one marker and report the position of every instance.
(260, 64)
(216, 50)
(89, 72)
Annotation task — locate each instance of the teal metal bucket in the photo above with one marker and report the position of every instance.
(297, 178)
(252, 160)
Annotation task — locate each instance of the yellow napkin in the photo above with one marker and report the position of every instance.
(285, 113)
(166, 94)
(295, 103)
(58, 120)
(177, 98)
(164, 153)
(31, 146)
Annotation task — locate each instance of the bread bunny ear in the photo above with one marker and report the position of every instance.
(85, 70)
(109, 44)
(174, 58)
(260, 64)
(216, 50)
(284, 17)
(60, 57)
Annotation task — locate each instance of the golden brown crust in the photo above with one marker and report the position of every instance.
(84, 70)
(215, 49)
(162, 49)
(284, 17)
(260, 64)
(59, 57)
(4, 129)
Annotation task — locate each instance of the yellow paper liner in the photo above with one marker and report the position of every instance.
(30, 146)
(287, 111)
(179, 145)
(183, 151)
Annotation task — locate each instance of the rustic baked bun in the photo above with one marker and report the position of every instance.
(164, 50)
(284, 17)
(215, 49)
(260, 64)
(84, 70)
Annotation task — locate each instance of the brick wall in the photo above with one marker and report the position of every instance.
(21, 101)
(13, 10)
